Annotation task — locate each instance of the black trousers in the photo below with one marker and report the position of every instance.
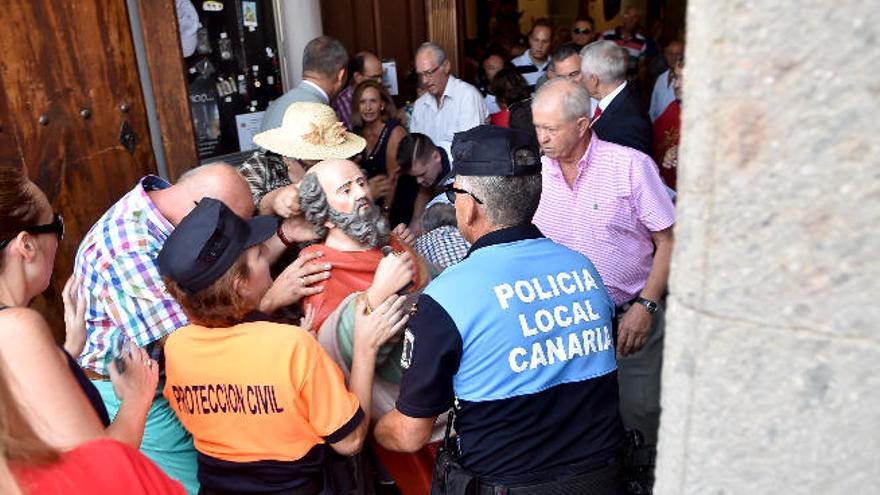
(606, 480)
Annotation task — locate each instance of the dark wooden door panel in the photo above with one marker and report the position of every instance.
(69, 84)
(392, 29)
(351, 22)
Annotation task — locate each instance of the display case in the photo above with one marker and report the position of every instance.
(233, 73)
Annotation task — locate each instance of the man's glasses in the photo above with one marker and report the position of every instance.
(581, 31)
(376, 77)
(56, 226)
(451, 190)
(425, 74)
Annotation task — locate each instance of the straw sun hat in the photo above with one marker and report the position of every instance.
(311, 131)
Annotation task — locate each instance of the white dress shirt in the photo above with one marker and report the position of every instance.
(604, 102)
(461, 108)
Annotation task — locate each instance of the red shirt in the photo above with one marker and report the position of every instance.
(99, 466)
(501, 119)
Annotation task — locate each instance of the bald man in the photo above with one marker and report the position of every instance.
(363, 66)
(125, 296)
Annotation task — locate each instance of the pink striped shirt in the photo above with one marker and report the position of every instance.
(617, 200)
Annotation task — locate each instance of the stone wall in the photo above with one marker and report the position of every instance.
(770, 381)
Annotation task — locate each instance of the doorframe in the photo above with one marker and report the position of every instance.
(162, 71)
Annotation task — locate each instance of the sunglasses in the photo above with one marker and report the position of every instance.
(581, 31)
(56, 226)
(451, 191)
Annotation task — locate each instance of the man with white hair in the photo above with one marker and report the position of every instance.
(619, 117)
(449, 105)
(607, 202)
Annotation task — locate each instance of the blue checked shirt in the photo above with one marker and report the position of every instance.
(116, 263)
(443, 246)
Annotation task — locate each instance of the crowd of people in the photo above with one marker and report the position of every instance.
(467, 298)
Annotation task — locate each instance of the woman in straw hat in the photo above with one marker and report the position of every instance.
(309, 133)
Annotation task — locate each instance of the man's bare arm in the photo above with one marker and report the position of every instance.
(401, 433)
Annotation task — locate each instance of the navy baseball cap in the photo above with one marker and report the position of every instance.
(207, 242)
(489, 150)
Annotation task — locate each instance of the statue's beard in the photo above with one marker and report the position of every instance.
(365, 225)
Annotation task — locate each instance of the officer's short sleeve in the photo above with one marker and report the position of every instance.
(431, 355)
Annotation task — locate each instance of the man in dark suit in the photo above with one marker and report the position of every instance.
(620, 117)
(324, 64)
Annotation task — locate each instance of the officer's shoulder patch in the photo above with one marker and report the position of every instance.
(409, 341)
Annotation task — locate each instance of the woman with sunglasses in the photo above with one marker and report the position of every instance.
(583, 31)
(30, 465)
(64, 407)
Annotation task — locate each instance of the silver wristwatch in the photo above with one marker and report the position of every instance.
(650, 305)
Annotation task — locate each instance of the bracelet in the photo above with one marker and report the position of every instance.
(284, 240)
(368, 308)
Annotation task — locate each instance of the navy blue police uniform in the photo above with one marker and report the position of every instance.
(518, 336)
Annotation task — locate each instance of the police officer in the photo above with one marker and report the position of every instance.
(517, 337)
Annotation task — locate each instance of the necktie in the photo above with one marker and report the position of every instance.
(597, 113)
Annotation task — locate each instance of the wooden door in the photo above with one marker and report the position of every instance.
(392, 29)
(69, 90)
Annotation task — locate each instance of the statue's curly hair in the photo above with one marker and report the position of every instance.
(313, 204)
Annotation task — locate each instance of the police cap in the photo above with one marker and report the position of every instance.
(489, 150)
(207, 242)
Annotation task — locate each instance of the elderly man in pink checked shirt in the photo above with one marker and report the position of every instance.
(609, 203)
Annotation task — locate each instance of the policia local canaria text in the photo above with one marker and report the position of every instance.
(578, 342)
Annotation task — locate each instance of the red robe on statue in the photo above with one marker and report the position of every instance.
(350, 272)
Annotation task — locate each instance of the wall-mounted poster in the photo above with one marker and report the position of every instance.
(248, 125)
(389, 76)
(249, 14)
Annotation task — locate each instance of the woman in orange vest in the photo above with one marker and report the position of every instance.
(264, 403)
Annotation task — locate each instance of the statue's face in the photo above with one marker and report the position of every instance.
(350, 204)
(345, 187)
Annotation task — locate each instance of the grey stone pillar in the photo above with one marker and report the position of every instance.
(770, 381)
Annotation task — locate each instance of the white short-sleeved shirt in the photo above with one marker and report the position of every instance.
(462, 107)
